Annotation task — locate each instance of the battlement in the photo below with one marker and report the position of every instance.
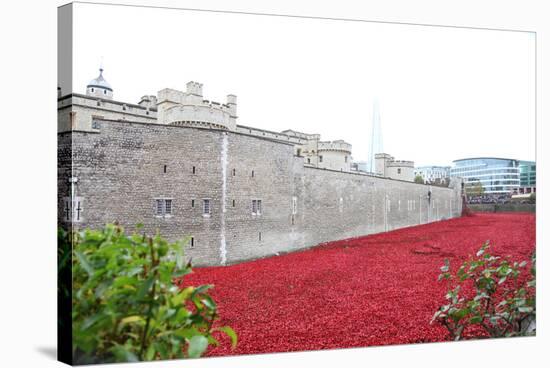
(401, 163)
(194, 88)
(338, 145)
(189, 108)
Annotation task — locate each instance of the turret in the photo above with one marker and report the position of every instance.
(99, 87)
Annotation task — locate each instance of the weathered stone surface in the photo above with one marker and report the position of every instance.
(120, 171)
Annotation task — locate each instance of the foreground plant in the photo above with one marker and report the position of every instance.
(502, 302)
(125, 306)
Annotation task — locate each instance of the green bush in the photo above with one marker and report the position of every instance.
(125, 305)
(503, 305)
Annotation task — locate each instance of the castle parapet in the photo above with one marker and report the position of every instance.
(190, 109)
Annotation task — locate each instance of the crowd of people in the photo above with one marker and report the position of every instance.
(490, 198)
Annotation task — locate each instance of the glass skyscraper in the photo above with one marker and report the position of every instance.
(496, 175)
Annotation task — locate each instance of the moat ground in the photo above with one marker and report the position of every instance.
(375, 290)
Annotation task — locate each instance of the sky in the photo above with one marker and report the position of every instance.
(444, 93)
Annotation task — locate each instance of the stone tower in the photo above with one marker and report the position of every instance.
(99, 87)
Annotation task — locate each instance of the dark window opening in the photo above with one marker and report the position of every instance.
(194, 171)
(252, 173)
(192, 242)
(165, 169)
(260, 236)
(234, 171)
(192, 203)
(233, 203)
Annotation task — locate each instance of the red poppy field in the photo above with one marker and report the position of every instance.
(375, 290)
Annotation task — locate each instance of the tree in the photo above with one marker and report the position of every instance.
(418, 179)
(474, 189)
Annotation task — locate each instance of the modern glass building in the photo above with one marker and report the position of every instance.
(527, 177)
(496, 175)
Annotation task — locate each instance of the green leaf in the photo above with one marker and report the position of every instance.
(231, 333)
(150, 353)
(476, 319)
(131, 319)
(197, 346)
(84, 262)
(144, 288)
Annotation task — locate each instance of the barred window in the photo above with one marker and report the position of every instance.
(256, 206)
(159, 207)
(163, 207)
(206, 209)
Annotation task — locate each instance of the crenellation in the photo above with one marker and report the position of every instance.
(180, 164)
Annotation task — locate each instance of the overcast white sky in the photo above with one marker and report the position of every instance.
(444, 93)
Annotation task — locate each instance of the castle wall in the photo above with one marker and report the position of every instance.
(120, 172)
(76, 112)
(339, 205)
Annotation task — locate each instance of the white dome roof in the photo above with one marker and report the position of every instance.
(100, 82)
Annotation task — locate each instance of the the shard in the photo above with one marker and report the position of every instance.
(375, 144)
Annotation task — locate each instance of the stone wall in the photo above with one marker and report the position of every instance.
(339, 205)
(122, 167)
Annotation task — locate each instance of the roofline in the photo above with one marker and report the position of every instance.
(98, 86)
(486, 158)
(116, 102)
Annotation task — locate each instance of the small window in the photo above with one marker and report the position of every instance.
(192, 242)
(346, 159)
(256, 206)
(96, 124)
(233, 203)
(234, 172)
(206, 210)
(321, 158)
(192, 203)
(163, 207)
(159, 208)
(165, 169)
(308, 160)
(294, 205)
(194, 171)
(260, 236)
(252, 173)
(167, 206)
(92, 89)
(104, 91)
(399, 170)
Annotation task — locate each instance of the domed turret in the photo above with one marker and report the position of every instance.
(99, 87)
